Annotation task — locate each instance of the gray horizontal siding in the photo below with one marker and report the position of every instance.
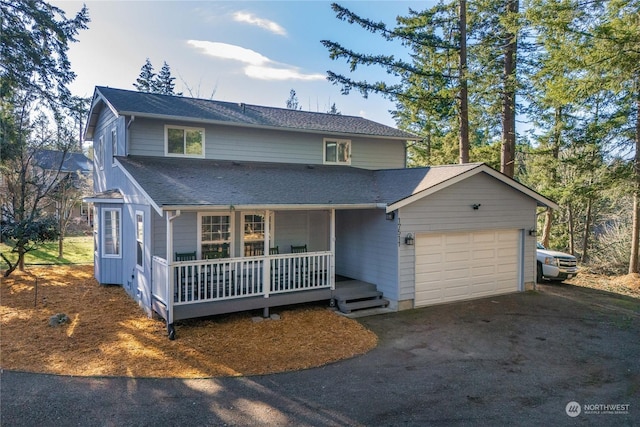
(502, 207)
(246, 144)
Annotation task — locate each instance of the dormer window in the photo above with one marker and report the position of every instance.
(183, 141)
(337, 151)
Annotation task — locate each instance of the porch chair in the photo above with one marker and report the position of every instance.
(186, 256)
(300, 271)
(185, 276)
(219, 279)
(299, 249)
(274, 251)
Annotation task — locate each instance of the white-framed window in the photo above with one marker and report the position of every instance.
(215, 233)
(337, 151)
(114, 146)
(140, 240)
(253, 226)
(95, 231)
(98, 153)
(111, 233)
(183, 141)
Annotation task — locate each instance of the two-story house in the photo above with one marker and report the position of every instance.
(205, 207)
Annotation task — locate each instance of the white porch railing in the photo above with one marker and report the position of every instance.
(191, 282)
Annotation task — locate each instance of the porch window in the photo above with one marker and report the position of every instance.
(337, 151)
(254, 229)
(111, 233)
(215, 234)
(140, 240)
(184, 141)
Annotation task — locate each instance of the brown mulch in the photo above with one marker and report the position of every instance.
(109, 335)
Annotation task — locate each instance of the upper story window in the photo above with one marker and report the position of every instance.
(183, 141)
(337, 151)
(114, 146)
(98, 153)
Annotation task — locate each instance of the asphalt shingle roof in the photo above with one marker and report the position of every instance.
(202, 182)
(127, 102)
(72, 162)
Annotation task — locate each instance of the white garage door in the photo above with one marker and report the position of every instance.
(457, 266)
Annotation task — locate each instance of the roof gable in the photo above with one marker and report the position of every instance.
(126, 102)
(437, 178)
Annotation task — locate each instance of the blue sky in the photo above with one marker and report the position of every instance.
(252, 52)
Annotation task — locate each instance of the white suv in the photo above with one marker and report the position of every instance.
(554, 265)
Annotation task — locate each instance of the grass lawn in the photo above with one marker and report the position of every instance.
(77, 250)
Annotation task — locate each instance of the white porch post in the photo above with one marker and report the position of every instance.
(266, 263)
(170, 276)
(332, 248)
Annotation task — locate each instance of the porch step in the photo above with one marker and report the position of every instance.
(358, 296)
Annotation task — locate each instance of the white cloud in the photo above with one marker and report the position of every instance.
(273, 73)
(262, 23)
(258, 66)
(229, 51)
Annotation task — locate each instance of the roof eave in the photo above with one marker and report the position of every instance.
(273, 207)
(263, 127)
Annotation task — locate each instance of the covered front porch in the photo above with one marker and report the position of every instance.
(186, 289)
(218, 263)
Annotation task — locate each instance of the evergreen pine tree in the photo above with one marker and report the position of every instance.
(292, 102)
(164, 81)
(146, 81)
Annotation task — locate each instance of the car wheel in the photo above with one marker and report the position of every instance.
(539, 272)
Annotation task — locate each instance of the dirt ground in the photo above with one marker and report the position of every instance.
(107, 334)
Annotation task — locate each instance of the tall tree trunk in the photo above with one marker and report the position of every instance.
(464, 101)
(508, 151)
(571, 229)
(587, 232)
(634, 260)
(555, 153)
(546, 229)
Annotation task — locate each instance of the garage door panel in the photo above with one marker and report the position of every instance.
(483, 254)
(455, 292)
(458, 266)
(456, 273)
(456, 239)
(456, 256)
(483, 270)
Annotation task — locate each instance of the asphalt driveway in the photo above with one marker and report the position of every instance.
(519, 359)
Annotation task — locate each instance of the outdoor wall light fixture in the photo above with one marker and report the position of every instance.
(476, 206)
(533, 232)
(391, 215)
(409, 240)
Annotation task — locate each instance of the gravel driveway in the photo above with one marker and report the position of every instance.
(518, 359)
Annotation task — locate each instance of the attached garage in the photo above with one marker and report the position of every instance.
(464, 232)
(463, 265)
